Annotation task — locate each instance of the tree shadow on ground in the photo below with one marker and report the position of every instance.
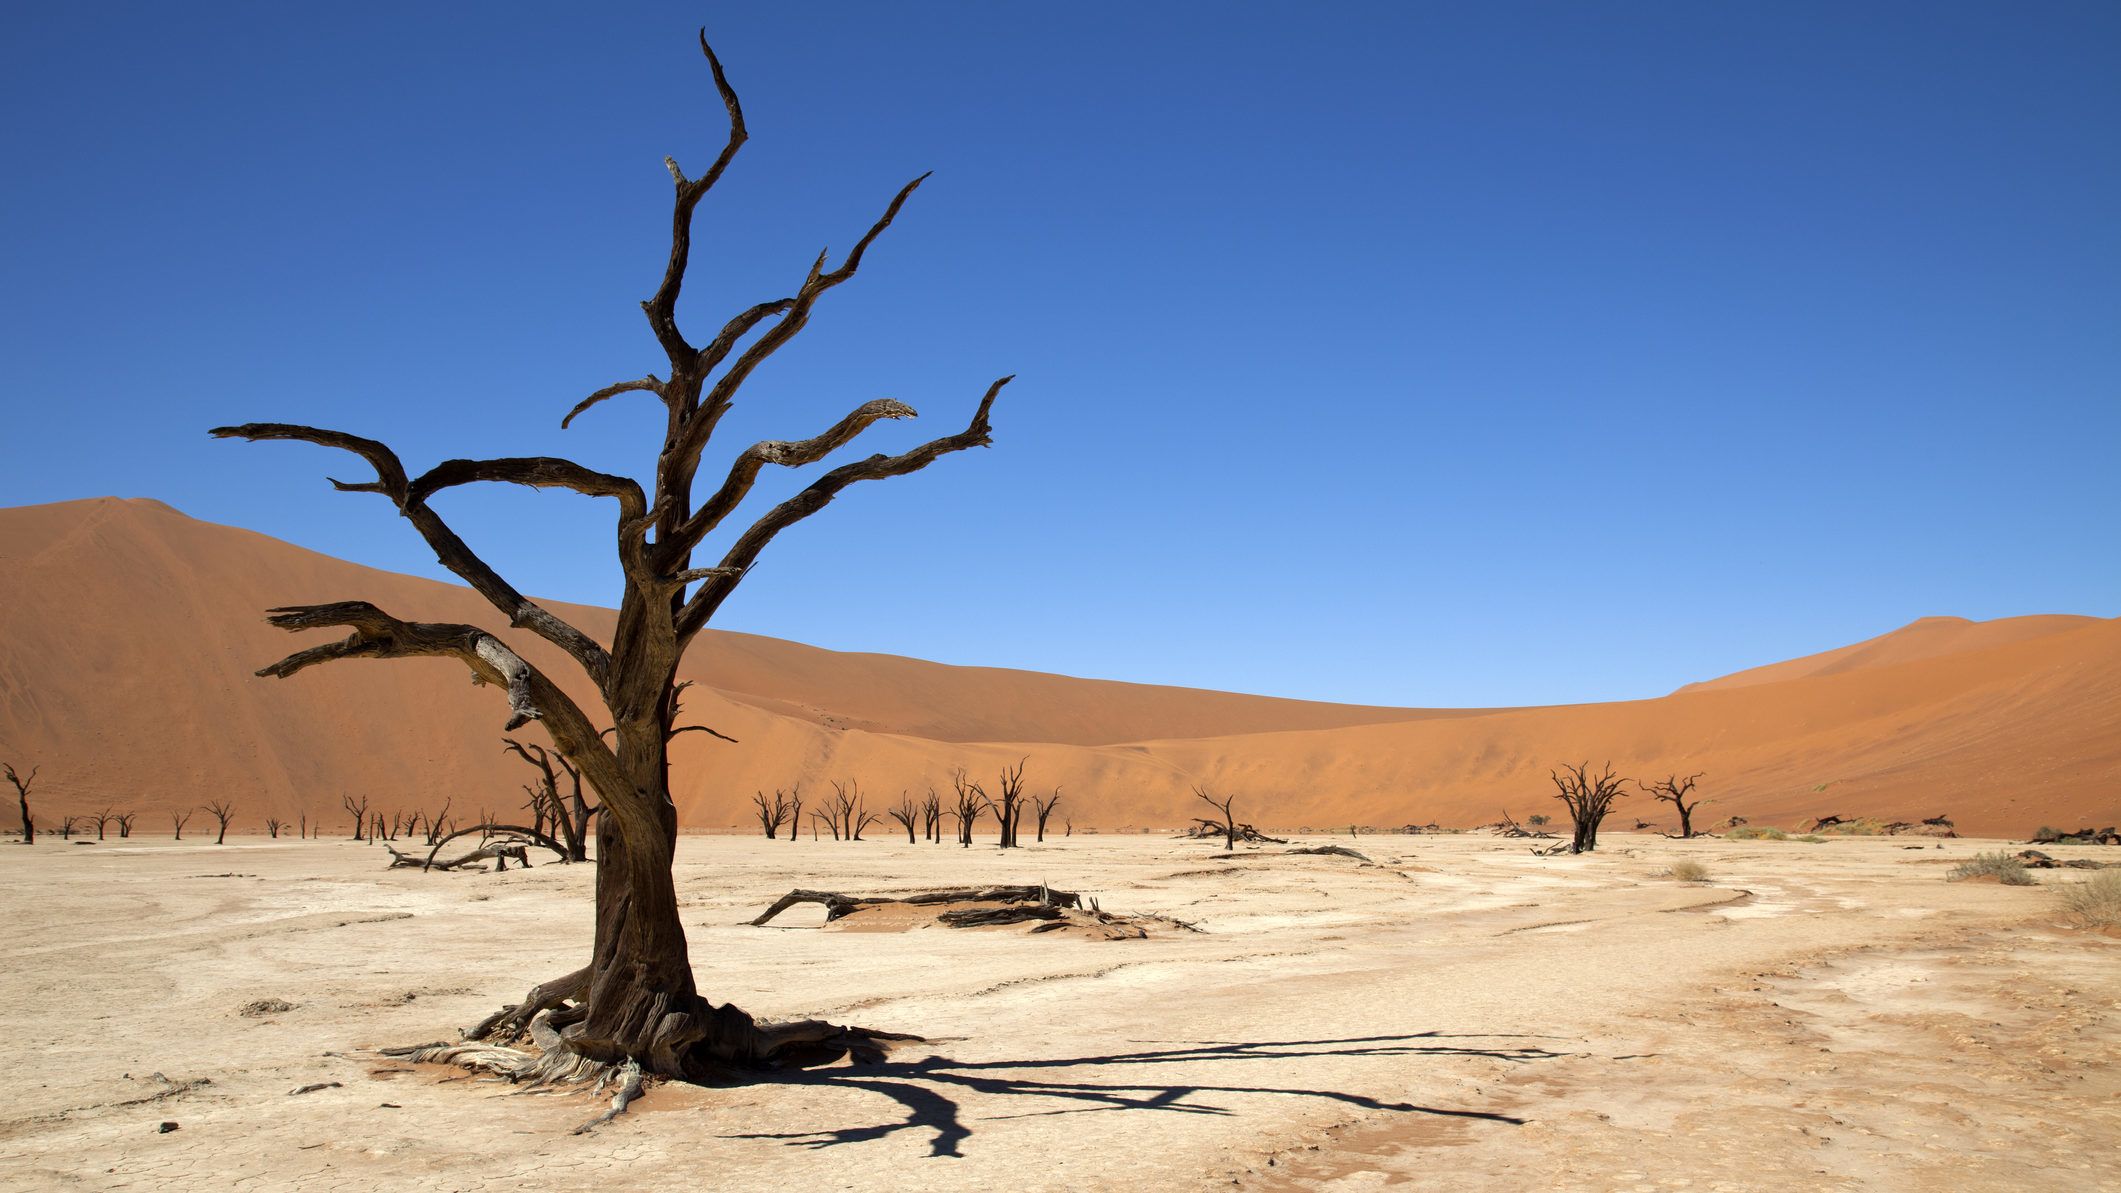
(924, 1087)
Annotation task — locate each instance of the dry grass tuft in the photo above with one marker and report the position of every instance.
(2000, 866)
(1688, 872)
(2095, 902)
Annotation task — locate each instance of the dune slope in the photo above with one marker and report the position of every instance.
(128, 633)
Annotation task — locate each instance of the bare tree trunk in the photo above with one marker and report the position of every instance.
(21, 784)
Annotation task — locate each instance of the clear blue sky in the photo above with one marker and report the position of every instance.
(1404, 353)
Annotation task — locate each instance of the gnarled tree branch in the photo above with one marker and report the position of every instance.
(745, 551)
(450, 550)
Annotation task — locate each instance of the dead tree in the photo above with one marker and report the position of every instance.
(830, 822)
(68, 825)
(932, 817)
(1228, 824)
(21, 784)
(103, 818)
(908, 814)
(772, 816)
(569, 815)
(125, 824)
(1674, 790)
(177, 822)
(635, 1003)
(273, 825)
(1010, 808)
(1588, 798)
(795, 812)
(223, 813)
(971, 801)
(1044, 809)
(849, 817)
(359, 809)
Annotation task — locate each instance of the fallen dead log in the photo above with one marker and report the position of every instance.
(500, 851)
(838, 905)
(993, 906)
(1508, 827)
(1331, 851)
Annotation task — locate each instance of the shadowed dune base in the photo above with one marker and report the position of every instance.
(1460, 1015)
(128, 633)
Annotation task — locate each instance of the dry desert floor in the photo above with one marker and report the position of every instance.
(1456, 1015)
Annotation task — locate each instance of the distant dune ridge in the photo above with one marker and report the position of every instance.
(128, 634)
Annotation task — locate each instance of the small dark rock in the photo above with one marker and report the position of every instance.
(166, 1128)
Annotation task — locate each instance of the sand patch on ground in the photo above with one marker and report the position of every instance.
(1460, 1014)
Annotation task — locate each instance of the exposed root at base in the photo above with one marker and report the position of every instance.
(709, 1043)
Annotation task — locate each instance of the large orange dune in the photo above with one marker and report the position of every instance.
(128, 634)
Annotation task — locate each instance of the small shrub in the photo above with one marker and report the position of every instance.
(2001, 866)
(1810, 839)
(1757, 832)
(1688, 872)
(2095, 902)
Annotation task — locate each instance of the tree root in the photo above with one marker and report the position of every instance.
(708, 1042)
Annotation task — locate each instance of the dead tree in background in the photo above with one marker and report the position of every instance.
(177, 822)
(1588, 798)
(273, 825)
(223, 813)
(1674, 790)
(569, 814)
(68, 825)
(125, 824)
(635, 1003)
(105, 817)
(772, 816)
(359, 809)
(908, 814)
(1228, 825)
(795, 812)
(932, 817)
(849, 816)
(1010, 808)
(971, 801)
(21, 784)
(1044, 808)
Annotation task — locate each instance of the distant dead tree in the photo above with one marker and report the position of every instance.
(125, 824)
(273, 825)
(359, 810)
(1231, 829)
(1588, 798)
(103, 818)
(834, 825)
(223, 813)
(1010, 808)
(1674, 790)
(932, 817)
(68, 825)
(178, 820)
(1227, 825)
(1044, 808)
(302, 824)
(771, 815)
(22, 785)
(908, 814)
(971, 801)
(1537, 820)
(795, 813)
(569, 815)
(849, 815)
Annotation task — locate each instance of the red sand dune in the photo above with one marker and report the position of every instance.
(128, 633)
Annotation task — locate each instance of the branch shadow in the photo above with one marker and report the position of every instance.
(923, 1088)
